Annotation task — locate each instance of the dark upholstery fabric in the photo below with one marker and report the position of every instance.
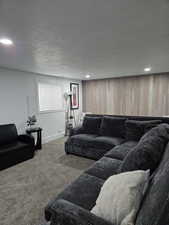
(120, 151)
(148, 152)
(112, 127)
(104, 168)
(13, 148)
(107, 142)
(28, 139)
(15, 153)
(83, 192)
(91, 125)
(83, 140)
(8, 134)
(136, 129)
(66, 213)
(76, 130)
(87, 152)
(90, 146)
(155, 206)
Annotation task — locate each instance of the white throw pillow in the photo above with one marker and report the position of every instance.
(120, 197)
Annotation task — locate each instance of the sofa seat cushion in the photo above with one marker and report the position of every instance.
(16, 146)
(82, 192)
(94, 141)
(83, 140)
(120, 151)
(107, 142)
(104, 168)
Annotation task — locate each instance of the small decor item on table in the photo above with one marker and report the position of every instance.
(31, 121)
(74, 88)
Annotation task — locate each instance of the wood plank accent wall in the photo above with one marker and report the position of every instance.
(139, 95)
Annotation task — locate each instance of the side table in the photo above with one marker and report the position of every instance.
(37, 130)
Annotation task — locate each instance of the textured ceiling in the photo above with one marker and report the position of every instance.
(71, 38)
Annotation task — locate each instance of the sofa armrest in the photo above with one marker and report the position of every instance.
(29, 139)
(66, 213)
(76, 130)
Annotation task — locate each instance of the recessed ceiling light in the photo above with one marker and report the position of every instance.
(6, 41)
(88, 76)
(147, 69)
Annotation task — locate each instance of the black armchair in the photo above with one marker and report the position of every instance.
(14, 148)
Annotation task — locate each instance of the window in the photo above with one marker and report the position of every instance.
(50, 97)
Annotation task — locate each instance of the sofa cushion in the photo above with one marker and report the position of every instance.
(83, 140)
(94, 141)
(8, 134)
(16, 146)
(148, 152)
(154, 209)
(91, 125)
(112, 126)
(120, 151)
(107, 142)
(82, 192)
(135, 129)
(104, 168)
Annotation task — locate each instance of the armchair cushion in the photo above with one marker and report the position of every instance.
(12, 147)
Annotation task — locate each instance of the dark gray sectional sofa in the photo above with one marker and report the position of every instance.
(72, 206)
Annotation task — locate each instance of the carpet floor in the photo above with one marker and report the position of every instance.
(26, 188)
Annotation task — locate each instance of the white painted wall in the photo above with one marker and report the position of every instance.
(19, 98)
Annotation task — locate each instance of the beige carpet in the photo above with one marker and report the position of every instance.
(26, 188)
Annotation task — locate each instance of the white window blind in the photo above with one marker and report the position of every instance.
(50, 97)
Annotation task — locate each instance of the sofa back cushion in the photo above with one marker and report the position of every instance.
(135, 129)
(91, 125)
(8, 134)
(155, 205)
(148, 152)
(112, 127)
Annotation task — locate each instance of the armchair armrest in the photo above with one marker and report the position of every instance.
(66, 213)
(27, 139)
(76, 130)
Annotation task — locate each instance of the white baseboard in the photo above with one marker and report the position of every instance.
(53, 137)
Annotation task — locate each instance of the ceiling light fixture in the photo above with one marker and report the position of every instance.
(88, 76)
(6, 41)
(147, 69)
